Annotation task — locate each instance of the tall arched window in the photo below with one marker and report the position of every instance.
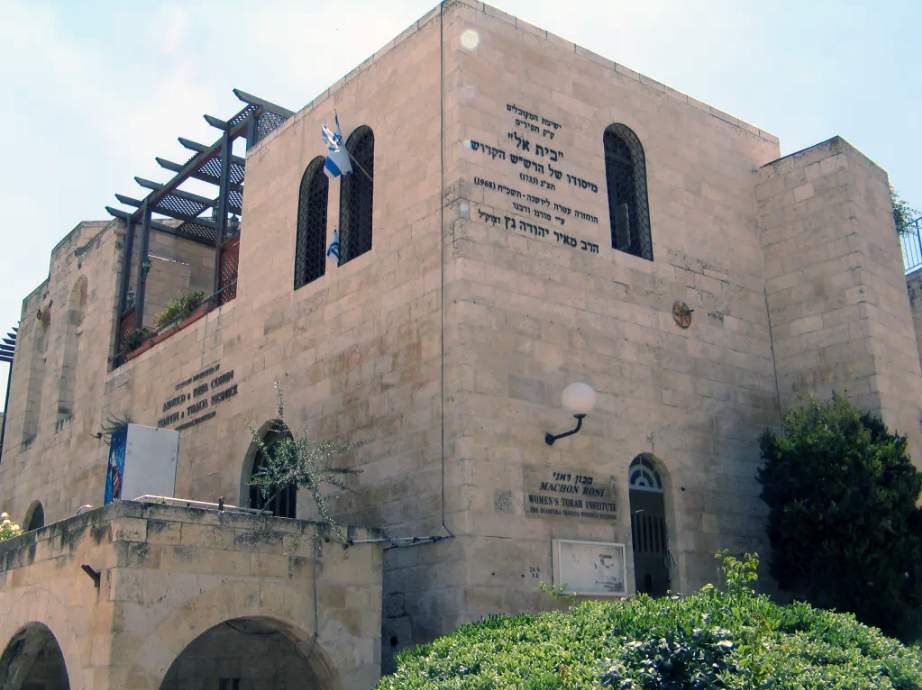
(76, 310)
(310, 260)
(356, 196)
(283, 504)
(626, 175)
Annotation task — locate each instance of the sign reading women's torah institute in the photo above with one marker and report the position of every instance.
(553, 492)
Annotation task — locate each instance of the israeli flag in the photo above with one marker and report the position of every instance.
(333, 249)
(337, 162)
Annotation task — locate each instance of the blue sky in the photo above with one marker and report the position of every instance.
(93, 91)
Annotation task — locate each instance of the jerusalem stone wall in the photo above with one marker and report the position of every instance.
(58, 378)
(914, 289)
(533, 304)
(169, 575)
(491, 285)
(836, 293)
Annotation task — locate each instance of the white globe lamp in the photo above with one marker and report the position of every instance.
(578, 398)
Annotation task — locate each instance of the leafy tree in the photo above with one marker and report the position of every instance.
(296, 460)
(903, 214)
(843, 522)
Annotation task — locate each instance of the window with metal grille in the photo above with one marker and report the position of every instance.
(310, 260)
(283, 504)
(356, 196)
(626, 175)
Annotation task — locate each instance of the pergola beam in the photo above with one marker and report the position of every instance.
(216, 123)
(265, 105)
(195, 198)
(176, 167)
(201, 148)
(161, 227)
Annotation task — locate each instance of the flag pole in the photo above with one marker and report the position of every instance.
(357, 164)
(351, 157)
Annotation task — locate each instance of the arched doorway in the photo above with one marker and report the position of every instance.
(33, 660)
(35, 517)
(285, 503)
(251, 653)
(649, 535)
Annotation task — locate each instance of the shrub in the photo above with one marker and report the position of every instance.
(734, 640)
(841, 492)
(179, 308)
(134, 339)
(7, 528)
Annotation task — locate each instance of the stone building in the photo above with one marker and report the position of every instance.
(524, 214)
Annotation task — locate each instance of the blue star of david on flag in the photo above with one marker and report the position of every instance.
(337, 162)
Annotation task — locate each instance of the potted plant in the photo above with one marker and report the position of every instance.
(137, 341)
(180, 312)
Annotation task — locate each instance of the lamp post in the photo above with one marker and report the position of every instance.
(578, 398)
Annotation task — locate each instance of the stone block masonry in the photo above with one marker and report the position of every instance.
(179, 594)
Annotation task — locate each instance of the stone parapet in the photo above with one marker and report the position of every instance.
(169, 575)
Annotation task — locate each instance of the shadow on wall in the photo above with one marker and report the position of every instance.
(33, 659)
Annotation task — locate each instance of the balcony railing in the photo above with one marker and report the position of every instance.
(911, 242)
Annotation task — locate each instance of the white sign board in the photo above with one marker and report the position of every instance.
(590, 568)
(150, 462)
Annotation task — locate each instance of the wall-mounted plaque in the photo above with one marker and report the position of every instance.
(590, 568)
(566, 493)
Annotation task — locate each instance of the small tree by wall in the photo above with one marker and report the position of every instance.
(903, 213)
(295, 460)
(843, 523)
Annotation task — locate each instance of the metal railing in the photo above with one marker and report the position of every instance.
(911, 243)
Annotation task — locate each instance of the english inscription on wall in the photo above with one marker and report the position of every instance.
(565, 493)
(191, 408)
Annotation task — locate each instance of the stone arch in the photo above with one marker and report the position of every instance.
(280, 606)
(653, 527)
(32, 659)
(34, 518)
(250, 461)
(39, 607)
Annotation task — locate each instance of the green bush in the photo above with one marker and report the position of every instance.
(843, 524)
(134, 339)
(179, 308)
(734, 640)
(903, 213)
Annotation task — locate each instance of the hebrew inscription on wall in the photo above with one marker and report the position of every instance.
(551, 492)
(530, 148)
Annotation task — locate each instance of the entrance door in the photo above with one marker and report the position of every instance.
(648, 529)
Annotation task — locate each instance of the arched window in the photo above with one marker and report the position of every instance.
(644, 476)
(35, 517)
(310, 259)
(356, 196)
(626, 175)
(285, 503)
(76, 310)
